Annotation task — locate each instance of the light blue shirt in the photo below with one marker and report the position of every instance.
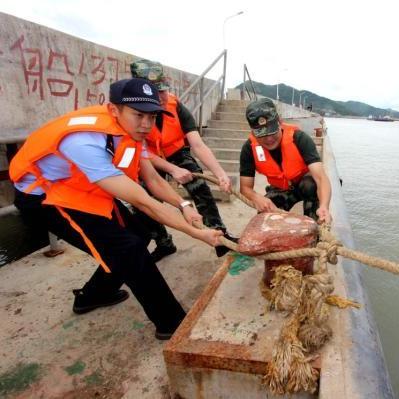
(87, 151)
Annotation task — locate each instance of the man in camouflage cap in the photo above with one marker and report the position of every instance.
(288, 158)
(171, 140)
(151, 70)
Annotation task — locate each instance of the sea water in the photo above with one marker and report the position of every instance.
(367, 157)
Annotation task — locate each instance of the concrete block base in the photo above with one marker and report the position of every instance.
(222, 348)
(208, 383)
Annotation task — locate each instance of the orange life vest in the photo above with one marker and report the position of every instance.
(293, 167)
(171, 139)
(76, 192)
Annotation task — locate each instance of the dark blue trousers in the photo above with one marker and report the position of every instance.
(123, 249)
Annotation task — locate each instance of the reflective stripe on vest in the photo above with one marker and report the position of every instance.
(171, 139)
(292, 167)
(76, 192)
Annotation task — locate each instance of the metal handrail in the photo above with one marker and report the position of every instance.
(253, 95)
(200, 81)
(206, 95)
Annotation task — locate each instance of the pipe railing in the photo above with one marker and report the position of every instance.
(200, 81)
(252, 95)
(207, 94)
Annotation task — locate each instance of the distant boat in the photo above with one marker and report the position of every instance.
(385, 118)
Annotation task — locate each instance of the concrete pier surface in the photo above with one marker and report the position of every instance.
(47, 351)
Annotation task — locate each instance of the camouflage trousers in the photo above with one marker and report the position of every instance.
(305, 190)
(199, 192)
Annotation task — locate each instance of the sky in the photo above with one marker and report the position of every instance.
(342, 49)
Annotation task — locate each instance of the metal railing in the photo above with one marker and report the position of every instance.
(203, 96)
(251, 94)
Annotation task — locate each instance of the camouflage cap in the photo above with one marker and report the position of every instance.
(150, 70)
(263, 118)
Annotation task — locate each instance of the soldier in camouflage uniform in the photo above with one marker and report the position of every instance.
(289, 159)
(171, 141)
(305, 191)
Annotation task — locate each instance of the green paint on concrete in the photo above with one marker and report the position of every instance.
(94, 379)
(240, 264)
(68, 324)
(75, 368)
(137, 325)
(19, 378)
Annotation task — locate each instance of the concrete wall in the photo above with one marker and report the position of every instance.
(45, 73)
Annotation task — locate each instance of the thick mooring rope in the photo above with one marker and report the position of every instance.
(328, 246)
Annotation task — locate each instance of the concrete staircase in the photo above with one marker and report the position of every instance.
(225, 134)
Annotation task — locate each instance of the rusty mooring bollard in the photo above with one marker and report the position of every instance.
(275, 232)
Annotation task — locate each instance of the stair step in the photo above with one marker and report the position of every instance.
(231, 108)
(230, 116)
(223, 124)
(240, 103)
(225, 133)
(226, 153)
(225, 143)
(228, 165)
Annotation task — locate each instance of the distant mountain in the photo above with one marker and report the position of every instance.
(321, 105)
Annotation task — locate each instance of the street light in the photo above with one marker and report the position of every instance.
(304, 101)
(224, 23)
(300, 95)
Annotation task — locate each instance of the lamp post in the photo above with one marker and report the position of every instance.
(292, 100)
(304, 101)
(300, 95)
(224, 23)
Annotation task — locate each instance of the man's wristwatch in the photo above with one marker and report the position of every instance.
(183, 204)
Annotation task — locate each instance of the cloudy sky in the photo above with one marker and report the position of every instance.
(341, 49)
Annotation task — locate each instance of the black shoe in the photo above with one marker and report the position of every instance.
(84, 303)
(161, 251)
(163, 336)
(222, 250)
(167, 334)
